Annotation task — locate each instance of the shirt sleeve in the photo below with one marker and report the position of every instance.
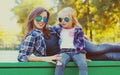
(26, 48)
(40, 45)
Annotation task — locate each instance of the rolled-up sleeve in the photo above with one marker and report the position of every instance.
(26, 48)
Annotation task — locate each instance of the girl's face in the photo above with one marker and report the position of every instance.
(65, 20)
(41, 20)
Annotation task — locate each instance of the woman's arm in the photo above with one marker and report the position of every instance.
(26, 49)
(44, 58)
(32, 44)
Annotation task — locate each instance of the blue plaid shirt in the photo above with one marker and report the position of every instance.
(33, 44)
(78, 38)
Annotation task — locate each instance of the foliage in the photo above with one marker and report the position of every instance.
(24, 7)
(100, 18)
(1, 34)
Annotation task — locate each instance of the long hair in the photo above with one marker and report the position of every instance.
(37, 11)
(71, 12)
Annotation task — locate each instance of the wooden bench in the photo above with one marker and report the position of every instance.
(44, 68)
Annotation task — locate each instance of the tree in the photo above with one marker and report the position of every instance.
(1, 31)
(24, 7)
(96, 17)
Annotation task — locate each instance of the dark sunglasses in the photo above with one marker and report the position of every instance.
(39, 18)
(66, 19)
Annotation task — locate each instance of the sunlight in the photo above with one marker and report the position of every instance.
(8, 23)
(9, 28)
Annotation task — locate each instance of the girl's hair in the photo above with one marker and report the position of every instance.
(36, 12)
(71, 12)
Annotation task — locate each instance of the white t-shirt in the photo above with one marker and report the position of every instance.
(67, 37)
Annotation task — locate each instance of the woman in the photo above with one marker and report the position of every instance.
(34, 41)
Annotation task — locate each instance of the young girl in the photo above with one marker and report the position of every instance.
(34, 41)
(71, 42)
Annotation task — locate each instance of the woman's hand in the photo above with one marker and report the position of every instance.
(52, 58)
(88, 60)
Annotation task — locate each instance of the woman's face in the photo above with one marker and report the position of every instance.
(40, 20)
(65, 20)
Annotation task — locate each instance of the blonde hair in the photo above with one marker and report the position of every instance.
(72, 13)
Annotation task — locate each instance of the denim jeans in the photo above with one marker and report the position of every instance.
(79, 59)
(102, 51)
(115, 56)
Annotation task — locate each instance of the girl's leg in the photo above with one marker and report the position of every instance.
(59, 70)
(80, 60)
(101, 48)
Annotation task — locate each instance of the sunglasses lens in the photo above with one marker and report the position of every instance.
(38, 18)
(45, 20)
(60, 19)
(66, 19)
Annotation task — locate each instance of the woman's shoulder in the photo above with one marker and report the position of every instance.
(35, 32)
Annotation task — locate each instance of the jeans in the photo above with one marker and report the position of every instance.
(102, 51)
(79, 59)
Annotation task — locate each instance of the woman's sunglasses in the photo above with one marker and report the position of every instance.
(39, 18)
(66, 19)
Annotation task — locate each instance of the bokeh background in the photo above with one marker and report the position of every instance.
(100, 19)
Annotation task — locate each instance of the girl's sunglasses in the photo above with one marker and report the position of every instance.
(39, 18)
(66, 19)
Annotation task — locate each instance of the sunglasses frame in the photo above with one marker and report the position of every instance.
(66, 19)
(39, 18)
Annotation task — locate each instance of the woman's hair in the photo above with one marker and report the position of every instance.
(30, 24)
(71, 13)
